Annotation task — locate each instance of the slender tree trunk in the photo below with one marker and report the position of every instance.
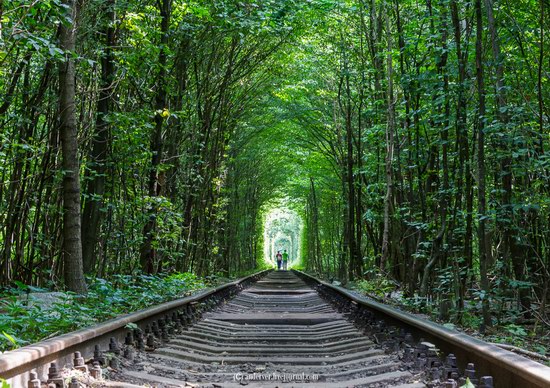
(344, 244)
(358, 269)
(512, 249)
(91, 216)
(315, 219)
(539, 78)
(72, 244)
(404, 198)
(390, 129)
(461, 113)
(148, 253)
(482, 202)
(350, 181)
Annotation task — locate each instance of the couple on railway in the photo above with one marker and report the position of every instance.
(282, 260)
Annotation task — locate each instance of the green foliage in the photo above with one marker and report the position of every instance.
(375, 284)
(515, 330)
(131, 326)
(299, 267)
(11, 340)
(468, 384)
(23, 322)
(267, 104)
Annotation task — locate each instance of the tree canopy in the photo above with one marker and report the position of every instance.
(372, 138)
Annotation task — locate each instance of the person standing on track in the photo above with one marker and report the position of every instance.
(279, 259)
(285, 260)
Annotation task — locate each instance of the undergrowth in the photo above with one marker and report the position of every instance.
(25, 319)
(375, 284)
(508, 327)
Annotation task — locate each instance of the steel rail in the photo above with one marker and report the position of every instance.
(508, 369)
(15, 365)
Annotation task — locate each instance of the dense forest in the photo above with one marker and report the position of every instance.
(408, 141)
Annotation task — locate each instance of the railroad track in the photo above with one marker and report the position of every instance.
(286, 329)
(278, 329)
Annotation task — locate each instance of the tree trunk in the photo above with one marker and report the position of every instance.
(539, 79)
(481, 199)
(390, 129)
(147, 252)
(91, 216)
(511, 248)
(352, 250)
(315, 220)
(72, 244)
(461, 117)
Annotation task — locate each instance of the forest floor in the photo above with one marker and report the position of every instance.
(529, 338)
(31, 314)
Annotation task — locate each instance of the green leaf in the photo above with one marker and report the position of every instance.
(11, 339)
(468, 384)
(131, 326)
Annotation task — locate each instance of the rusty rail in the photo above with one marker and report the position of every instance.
(509, 370)
(16, 365)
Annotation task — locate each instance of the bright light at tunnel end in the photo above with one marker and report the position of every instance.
(282, 230)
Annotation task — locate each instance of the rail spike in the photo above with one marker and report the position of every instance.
(486, 382)
(114, 346)
(74, 383)
(34, 381)
(96, 371)
(98, 356)
(79, 364)
(54, 377)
